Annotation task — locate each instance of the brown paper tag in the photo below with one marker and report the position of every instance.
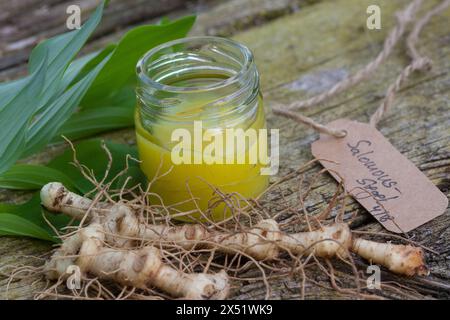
(379, 177)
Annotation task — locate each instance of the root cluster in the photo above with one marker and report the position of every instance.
(125, 244)
(120, 245)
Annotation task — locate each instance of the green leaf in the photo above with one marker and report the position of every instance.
(133, 177)
(91, 154)
(124, 97)
(82, 66)
(61, 50)
(27, 219)
(15, 112)
(164, 20)
(121, 67)
(32, 177)
(15, 225)
(50, 121)
(32, 212)
(20, 100)
(74, 69)
(33, 109)
(8, 90)
(91, 121)
(117, 80)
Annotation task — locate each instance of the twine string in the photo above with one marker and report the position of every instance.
(418, 63)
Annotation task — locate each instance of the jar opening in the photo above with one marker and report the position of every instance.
(195, 64)
(210, 79)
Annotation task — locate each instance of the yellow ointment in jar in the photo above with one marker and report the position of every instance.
(200, 125)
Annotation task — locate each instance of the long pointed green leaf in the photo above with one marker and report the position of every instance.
(32, 177)
(91, 154)
(54, 116)
(61, 50)
(15, 114)
(95, 120)
(135, 43)
(22, 98)
(75, 67)
(27, 219)
(9, 90)
(83, 68)
(32, 212)
(15, 225)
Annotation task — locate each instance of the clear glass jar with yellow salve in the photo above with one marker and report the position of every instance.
(199, 109)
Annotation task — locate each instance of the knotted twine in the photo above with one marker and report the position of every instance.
(418, 63)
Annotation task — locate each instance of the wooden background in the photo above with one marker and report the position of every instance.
(301, 48)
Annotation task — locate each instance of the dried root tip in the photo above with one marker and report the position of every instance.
(144, 267)
(326, 242)
(55, 197)
(401, 259)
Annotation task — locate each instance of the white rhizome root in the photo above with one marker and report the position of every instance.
(138, 268)
(106, 247)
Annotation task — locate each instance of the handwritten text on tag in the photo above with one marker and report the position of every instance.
(379, 177)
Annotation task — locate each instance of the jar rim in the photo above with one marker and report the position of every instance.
(247, 61)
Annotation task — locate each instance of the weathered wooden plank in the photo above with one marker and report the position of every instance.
(215, 17)
(316, 53)
(13, 8)
(21, 31)
(236, 15)
(303, 53)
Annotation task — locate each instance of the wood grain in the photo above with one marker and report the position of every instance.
(299, 53)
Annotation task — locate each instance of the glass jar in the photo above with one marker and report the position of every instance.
(202, 87)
